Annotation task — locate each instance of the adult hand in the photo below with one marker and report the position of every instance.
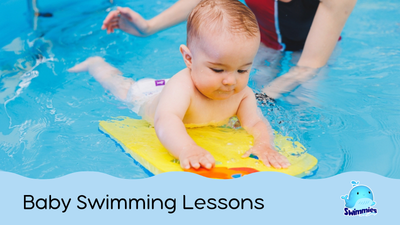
(127, 20)
(289, 81)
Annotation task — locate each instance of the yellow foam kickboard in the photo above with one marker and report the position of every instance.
(227, 145)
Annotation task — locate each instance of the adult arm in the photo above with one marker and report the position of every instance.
(327, 25)
(325, 31)
(133, 23)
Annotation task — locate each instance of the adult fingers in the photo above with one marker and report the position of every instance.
(112, 15)
(113, 20)
(128, 13)
(112, 24)
(110, 29)
(125, 10)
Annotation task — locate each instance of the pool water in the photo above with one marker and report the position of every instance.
(347, 116)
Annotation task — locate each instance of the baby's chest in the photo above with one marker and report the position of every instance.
(203, 112)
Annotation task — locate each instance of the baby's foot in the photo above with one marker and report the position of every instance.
(84, 66)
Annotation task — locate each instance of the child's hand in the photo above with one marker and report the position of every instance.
(127, 20)
(268, 155)
(196, 157)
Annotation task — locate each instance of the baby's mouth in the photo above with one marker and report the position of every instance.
(226, 91)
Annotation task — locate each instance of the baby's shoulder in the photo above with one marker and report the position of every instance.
(180, 83)
(182, 80)
(248, 92)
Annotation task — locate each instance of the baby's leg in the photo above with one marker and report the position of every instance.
(109, 77)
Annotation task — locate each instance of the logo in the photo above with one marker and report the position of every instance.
(359, 201)
(160, 82)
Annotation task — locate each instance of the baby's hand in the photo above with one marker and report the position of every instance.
(195, 157)
(268, 155)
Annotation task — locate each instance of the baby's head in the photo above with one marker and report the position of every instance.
(222, 40)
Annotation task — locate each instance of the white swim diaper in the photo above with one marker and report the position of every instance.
(142, 90)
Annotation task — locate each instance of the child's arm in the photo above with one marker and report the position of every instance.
(260, 129)
(171, 109)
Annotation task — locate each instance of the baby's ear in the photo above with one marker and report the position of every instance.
(187, 56)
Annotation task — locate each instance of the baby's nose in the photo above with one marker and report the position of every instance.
(229, 79)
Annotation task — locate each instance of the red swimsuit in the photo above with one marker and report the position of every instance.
(284, 26)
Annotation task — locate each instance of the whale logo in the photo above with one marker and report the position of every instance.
(360, 200)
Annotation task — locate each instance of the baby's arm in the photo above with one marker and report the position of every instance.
(260, 129)
(171, 109)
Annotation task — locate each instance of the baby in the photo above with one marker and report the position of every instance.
(222, 41)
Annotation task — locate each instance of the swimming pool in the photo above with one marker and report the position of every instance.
(348, 117)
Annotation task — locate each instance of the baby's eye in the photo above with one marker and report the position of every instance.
(242, 71)
(217, 70)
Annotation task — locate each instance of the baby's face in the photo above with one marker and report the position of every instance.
(221, 64)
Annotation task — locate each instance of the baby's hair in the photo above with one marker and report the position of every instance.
(221, 16)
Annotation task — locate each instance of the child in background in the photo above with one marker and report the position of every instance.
(222, 40)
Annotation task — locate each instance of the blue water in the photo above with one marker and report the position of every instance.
(347, 117)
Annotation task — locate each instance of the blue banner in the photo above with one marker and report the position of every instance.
(185, 198)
